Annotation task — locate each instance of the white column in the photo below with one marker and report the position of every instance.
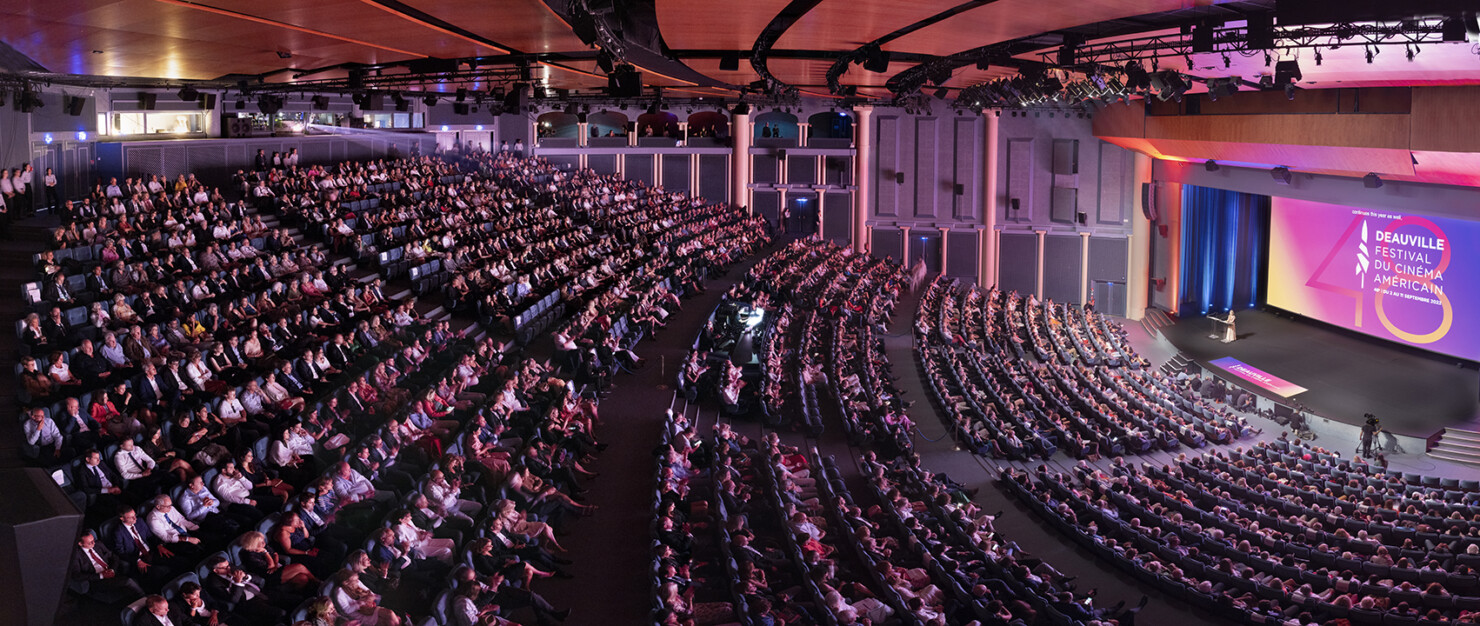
(1038, 281)
(740, 161)
(683, 133)
(988, 245)
(805, 134)
(821, 214)
(584, 134)
(1083, 267)
(1138, 274)
(693, 175)
(863, 173)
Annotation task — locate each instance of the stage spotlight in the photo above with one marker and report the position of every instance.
(1290, 91)
(1136, 78)
(875, 59)
(1286, 72)
(1281, 175)
(1210, 165)
(1371, 180)
(1318, 57)
(430, 101)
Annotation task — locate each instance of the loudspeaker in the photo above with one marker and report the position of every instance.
(146, 101)
(624, 82)
(321, 103)
(517, 97)
(1148, 201)
(75, 104)
(899, 178)
(374, 101)
(729, 63)
(1261, 31)
(781, 155)
(207, 101)
(960, 189)
(1082, 218)
(460, 108)
(36, 538)
(1014, 204)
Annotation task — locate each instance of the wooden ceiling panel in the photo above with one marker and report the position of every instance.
(814, 72)
(848, 24)
(1010, 19)
(689, 25)
(710, 67)
(527, 25)
(360, 20)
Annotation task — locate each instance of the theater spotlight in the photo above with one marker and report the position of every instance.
(1281, 175)
(1210, 165)
(1371, 180)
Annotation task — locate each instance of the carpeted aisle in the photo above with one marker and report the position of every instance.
(611, 549)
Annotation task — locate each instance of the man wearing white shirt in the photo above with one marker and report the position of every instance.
(43, 440)
(232, 486)
(113, 190)
(351, 486)
(169, 527)
(136, 466)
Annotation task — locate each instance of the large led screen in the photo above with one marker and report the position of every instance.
(1402, 277)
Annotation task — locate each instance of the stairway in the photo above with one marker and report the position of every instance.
(1154, 320)
(1459, 446)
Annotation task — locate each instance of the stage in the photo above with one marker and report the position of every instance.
(1415, 393)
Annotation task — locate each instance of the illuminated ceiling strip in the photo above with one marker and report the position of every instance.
(570, 69)
(704, 93)
(820, 95)
(268, 22)
(425, 24)
(676, 80)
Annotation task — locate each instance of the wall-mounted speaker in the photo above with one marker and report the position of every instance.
(1082, 218)
(1014, 204)
(460, 108)
(899, 178)
(960, 189)
(146, 101)
(1148, 201)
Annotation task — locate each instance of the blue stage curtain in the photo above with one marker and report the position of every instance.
(1225, 236)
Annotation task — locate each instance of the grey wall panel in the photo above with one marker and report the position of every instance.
(676, 173)
(961, 254)
(801, 169)
(1107, 258)
(603, 164)
(639, 167)
(837, 214)
(210, 158)
(763, 168)
(967, 161)
(1020, 168)
(143, 161)
(886, 188)
(53, 117)
(837, 170)
(714, 177)
(767, 205)
(1063, 204)
(1017, 259)
(1061, 265)
(316, 152)
(1114, 189)
(888, 243)
(924, 174)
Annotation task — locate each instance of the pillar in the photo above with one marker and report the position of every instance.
(945, 244)
(1169, 213)
(1038, 263)
(804, 134)
(583, 133)
(1138, 274)
(1084, 267)
(863, 174)
(740, 160)
(987, 246)
(904, 248)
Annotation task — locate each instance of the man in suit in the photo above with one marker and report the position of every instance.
(240, 591)
(194, 611)
(339, 353)
(78, 427)
(292, 382)
(57, 292)
(98, 283)
(98, 481)
(88, 365)
(154, 392)
(97, 573)
(134, 544)
(308, 373)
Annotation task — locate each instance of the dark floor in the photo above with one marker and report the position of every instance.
(1415, 393)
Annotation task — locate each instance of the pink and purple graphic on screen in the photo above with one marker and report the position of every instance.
(1402, 277)
(1264, 380)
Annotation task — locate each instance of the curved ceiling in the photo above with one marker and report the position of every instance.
(800, 40)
